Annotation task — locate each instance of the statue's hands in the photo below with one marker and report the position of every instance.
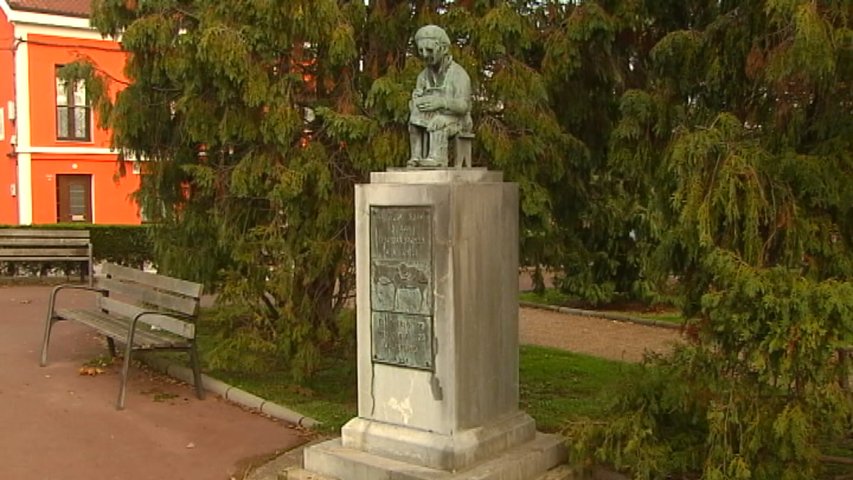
(430, 103)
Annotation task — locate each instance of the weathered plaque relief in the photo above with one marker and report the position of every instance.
(401, 283)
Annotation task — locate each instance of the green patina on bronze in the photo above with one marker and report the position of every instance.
(440, 108)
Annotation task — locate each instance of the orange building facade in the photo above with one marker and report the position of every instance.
(56, 165)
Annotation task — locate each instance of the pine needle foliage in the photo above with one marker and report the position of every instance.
(593, 54)
(257, 118)
(742, 132)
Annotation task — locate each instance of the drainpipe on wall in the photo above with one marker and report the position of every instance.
(13, 187)
(21, 127)
(13, 154)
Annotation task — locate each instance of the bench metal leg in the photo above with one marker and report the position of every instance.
(48, 326)
(123, 387)
(111, 345)
(91, 270)
(128, 351)
(199, 388)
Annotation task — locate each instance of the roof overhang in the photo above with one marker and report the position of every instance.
(35, 17)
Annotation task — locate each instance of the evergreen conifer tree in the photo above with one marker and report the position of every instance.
(258, 117)
(743, 130)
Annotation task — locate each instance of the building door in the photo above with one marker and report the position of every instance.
(74, 198)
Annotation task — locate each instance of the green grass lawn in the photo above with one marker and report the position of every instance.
(329, 397)
(559, 386)
(556, 387)
(663, 316)
(552, 296)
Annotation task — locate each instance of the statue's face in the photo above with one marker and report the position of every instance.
(431, 52)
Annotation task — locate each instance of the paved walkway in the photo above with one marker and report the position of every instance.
(593, 336)
(58, 425)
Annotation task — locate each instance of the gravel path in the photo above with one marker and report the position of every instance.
(593, 336)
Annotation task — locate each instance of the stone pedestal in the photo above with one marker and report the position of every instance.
(437, 300)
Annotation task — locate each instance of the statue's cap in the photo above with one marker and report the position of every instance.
(432, 32)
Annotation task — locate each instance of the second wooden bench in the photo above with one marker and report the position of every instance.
(47, 245)
(142, 310)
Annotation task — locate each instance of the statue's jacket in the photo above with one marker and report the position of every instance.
(451, 82)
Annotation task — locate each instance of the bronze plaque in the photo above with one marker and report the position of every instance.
(403, 340)
(401, 282)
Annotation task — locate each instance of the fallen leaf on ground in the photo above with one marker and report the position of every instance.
(164, 396)
(91, 371)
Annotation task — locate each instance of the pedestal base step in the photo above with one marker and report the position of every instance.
(529, 461)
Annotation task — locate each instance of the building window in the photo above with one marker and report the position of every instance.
(73, 115)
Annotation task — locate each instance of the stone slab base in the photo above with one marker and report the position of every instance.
(563, 472)
(442, 452)
(529, 461)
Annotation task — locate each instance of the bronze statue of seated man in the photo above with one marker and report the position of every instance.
(441, 101)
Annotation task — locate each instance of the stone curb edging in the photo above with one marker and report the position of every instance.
(606, 315)
(230, 393)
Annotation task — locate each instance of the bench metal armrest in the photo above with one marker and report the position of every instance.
(71, 286)
(58, 288)
(182, 316)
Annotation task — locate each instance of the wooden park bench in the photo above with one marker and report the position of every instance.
(143, 311)
(46, 245)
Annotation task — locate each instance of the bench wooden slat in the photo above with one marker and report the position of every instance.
(45, 252)
(146, 295)
(43, 242)
(31, 258)
(36, 233)
(159, 282)
(170, 324)
(117, 328)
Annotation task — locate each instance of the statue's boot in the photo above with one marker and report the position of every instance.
(414, 162)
